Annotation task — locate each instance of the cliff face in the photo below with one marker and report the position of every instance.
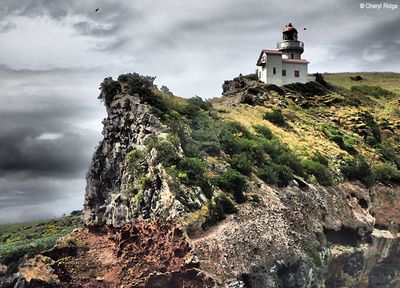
(263, 187)
(111, 197)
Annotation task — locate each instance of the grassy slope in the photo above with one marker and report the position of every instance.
(307, 124)
(18, 239)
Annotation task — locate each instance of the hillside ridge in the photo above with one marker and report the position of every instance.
(266, 186)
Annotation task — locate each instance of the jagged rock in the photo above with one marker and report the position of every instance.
(108, 200)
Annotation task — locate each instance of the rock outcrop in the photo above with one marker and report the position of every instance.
(111, 197)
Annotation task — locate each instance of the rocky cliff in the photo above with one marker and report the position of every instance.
(263, 187)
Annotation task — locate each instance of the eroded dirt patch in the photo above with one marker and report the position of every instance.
(144, 254)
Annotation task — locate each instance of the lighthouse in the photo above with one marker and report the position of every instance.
(284, 65)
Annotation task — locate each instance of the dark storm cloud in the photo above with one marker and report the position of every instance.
(46, 139)
(35, 153)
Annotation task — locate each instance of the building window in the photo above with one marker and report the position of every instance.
(291, 56)
(296, 73)
(274, 70)
(284, 73)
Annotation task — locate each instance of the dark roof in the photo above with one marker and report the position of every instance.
(271, 51)
(266, 51)
(295, 60)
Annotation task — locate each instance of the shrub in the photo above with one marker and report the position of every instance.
(288, 159)
(195, 104)
(263, 131)
(166, 152)
(358, 169)
(135, 159)
(386, 173)
(376, 132)
(389, 153)
(226, 204)
(242, 163)
(276, 174)
(275, 117)
(211, 148)
(247, 99)
(214, 215)
(232, 182)
(143, 183)
(109, 88)
(338, 139)
(136, 83)
(320, 171)
(318, 157)
(285, 175)
(268, 175)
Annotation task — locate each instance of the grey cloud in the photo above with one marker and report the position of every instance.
(7, 26)
(22, 152)
(86, 28)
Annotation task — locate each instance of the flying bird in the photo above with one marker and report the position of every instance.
(305, 28)
(96, 10)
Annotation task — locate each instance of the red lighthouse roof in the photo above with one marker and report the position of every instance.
(289, 28)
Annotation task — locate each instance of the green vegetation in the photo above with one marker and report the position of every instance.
(358, 168)
(16, 240)
(375, 91)
(386, 173)
(231, 181)
(344, 141)
(109, 88)
(390, 153)
(375, 136)
(135, 83)
(205, 149)
(321, 171)
(276, 117)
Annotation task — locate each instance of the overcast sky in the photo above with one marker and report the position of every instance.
(55, 53)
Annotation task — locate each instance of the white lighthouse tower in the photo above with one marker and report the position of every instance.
(284, 65)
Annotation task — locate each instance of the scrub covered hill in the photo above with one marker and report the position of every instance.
(30, 238)
(266, 186)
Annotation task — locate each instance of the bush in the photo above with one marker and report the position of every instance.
(320, 171)
(242, 163)
(232, 182)
(166, 152)
(318, 157)
(217, 209)
(275, 117)
(211, 148)
(358, 169)
(376, 132)
(136, 83)
(276, 174)
(263, 131)
(248, 99)
(226, 204)
(386, 173)
(109, 88)
(389, 153)
(338, 139)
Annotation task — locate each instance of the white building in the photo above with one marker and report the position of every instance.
(284, 65)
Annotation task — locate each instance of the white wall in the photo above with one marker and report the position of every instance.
(274, 61)
(267, 76)
(290, 68)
